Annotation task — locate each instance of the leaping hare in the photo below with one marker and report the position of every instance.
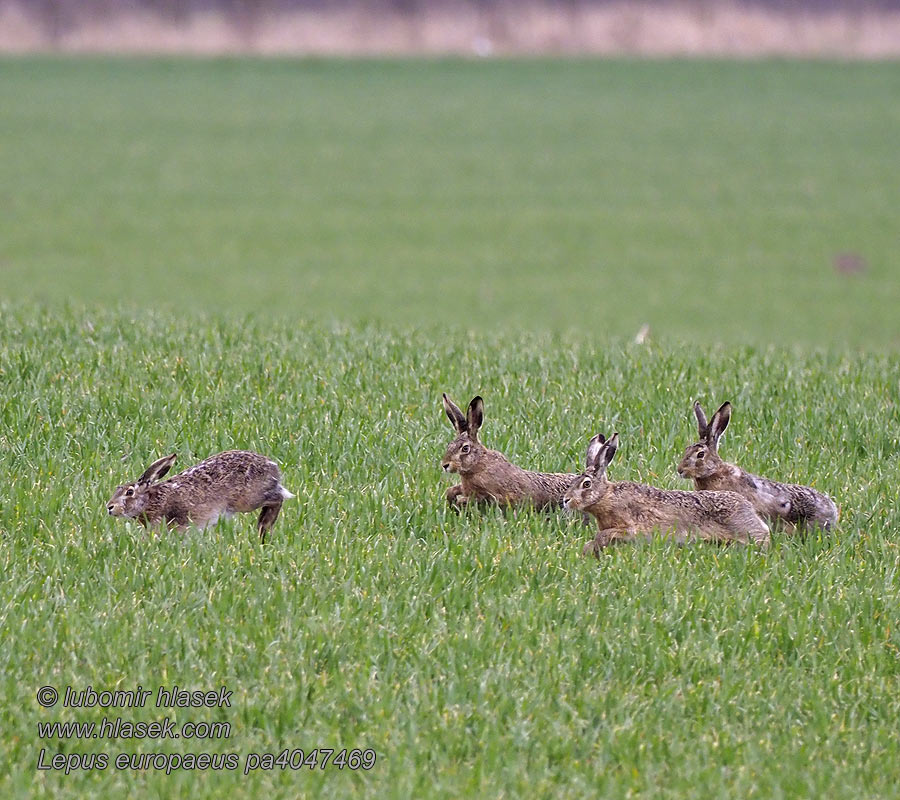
(223, 484)
(791, 506)
(626, 511)
(486, 475)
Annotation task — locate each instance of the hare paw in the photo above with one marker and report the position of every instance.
(455, 496)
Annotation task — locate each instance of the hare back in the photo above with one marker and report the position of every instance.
(233, 481)
(643, 508)
(793, 505)
(508, 484)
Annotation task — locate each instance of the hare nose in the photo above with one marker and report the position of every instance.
(110, 508)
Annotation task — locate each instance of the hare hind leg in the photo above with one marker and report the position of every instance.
(267, 517)
(271, 504)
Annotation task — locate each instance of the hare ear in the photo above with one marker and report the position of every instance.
(717, 426)
(609, 450)
(475, 417)
(457, 420)
(702, 424)
(156, 470)
(593, 452)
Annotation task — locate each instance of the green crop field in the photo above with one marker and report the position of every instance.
(298, 258)
(709, 200)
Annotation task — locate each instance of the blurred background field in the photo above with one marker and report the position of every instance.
(714, 201)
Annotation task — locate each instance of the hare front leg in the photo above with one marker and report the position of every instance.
(604, 538)
(455, 496)
(163, 525)
(178, 523)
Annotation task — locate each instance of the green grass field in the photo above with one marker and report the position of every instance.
(707, 199)
(298, 258)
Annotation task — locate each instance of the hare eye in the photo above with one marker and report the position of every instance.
(129, 493)
(586, 483)
(465, 448)
(700, 455)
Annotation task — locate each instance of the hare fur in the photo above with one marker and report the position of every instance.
(487, 476)
(626, 511)
(790, 506)
(223, 484)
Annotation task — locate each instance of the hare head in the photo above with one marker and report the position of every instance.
(130, 500)
(465, 451)
(592, 485)
(701, 459)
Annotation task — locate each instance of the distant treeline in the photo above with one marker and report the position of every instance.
(851, 28)
(58, 12)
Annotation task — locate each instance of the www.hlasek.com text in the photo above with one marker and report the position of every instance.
(118, 728)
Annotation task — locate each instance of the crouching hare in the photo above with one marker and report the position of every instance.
(787, 505)
(626, 511)
(223, 484)
(486, 475)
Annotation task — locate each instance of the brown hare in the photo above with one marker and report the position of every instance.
(626, 511)
(486, 475)
(223, 484)
(787, 505)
